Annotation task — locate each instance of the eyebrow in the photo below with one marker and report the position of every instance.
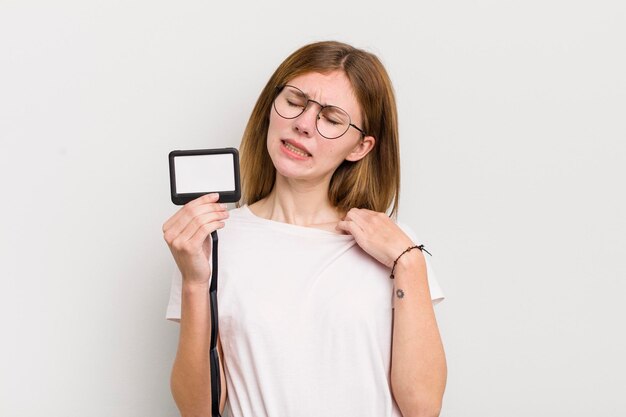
(308, 97)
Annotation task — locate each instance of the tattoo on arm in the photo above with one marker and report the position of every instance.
(399, 293)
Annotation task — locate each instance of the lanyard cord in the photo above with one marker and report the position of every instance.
(214, 357)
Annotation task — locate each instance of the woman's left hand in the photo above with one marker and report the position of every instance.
(376, 234)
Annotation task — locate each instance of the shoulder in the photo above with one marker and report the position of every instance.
(239, 211)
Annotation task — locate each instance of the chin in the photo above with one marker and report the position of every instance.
(289, 167)
(291, 172)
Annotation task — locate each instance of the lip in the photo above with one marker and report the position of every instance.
(297, 145)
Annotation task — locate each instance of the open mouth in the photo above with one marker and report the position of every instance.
(295, 150)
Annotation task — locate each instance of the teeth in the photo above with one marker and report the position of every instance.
(295, 150)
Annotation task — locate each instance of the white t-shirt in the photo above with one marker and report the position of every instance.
(304, 321)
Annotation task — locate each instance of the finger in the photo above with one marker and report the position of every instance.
(187, 214)
(350, 227)
(199, 222)
(207, 198)
(369, 220)
(358, 216)
(203, 232)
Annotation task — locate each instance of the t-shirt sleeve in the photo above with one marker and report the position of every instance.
(436, 293)
(173, 306)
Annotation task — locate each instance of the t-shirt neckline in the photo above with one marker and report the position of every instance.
(293, 227)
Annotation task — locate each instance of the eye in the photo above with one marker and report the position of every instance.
(335, 116)
(291, 102)
(294, 98)
(331, 120)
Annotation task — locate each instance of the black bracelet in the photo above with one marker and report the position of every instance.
(420, 247)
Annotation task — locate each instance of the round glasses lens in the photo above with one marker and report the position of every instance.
(333, 122)
(290, 102)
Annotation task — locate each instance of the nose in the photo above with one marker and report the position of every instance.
(305, 123)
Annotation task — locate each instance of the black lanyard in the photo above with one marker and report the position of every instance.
(216, 385)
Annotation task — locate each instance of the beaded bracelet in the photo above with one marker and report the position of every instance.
(420, 247)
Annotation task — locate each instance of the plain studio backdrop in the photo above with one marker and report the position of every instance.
(513, 144)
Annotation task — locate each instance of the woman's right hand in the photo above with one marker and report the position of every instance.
(186, 235)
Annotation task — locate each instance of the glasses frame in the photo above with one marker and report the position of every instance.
(279, 90)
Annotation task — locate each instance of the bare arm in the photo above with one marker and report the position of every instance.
(418, 362)
(186, 234)
(418, 369)
(191, 376)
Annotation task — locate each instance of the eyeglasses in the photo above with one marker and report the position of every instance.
(331, 121)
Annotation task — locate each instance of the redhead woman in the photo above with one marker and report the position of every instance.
(326, 301)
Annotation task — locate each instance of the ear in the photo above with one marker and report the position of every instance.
(361, 149)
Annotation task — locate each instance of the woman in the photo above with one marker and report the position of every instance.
(308, 311)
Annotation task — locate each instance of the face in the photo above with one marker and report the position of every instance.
(297, 149)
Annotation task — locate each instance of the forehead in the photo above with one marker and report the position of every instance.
(332, 88)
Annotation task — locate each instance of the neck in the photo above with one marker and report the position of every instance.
(295, 202)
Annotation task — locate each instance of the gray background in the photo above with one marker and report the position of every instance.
(513, 150)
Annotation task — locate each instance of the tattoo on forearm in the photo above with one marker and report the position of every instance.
(399, 293)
